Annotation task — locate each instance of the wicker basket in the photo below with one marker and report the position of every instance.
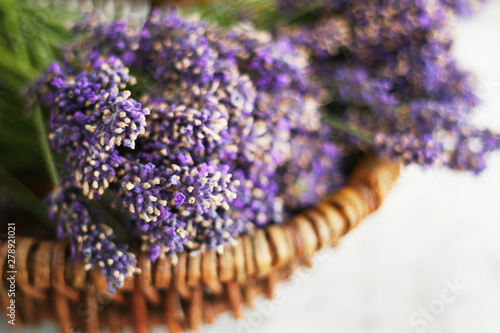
(183, 295)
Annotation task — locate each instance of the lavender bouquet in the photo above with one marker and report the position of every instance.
(186, 133)
(181, 134)
(390, 80)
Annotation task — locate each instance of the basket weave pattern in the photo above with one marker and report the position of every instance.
(184, 294)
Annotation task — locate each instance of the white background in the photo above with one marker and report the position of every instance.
(436, 227)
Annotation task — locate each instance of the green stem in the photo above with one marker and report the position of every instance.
(342, 126)
(44, 145)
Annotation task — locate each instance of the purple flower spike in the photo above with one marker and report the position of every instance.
(122, 121)
(90, 240)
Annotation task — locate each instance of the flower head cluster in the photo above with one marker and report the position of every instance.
(285, 106)
(163, 201)
(201, 150)
(90, 239)
(91, 106)
(389, 73)
(116, 38)
(307, 176)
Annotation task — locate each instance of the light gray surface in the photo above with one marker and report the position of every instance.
(435, 228)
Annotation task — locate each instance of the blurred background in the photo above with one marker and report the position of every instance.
(427, 261)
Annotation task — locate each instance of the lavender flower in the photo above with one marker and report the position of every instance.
(93, 170)
(118, 120)
(325, 39)
(472, 147)
(214, 229)
(176, 50)
(119, 38)
(155, 197)
(409, 148)
(90, 240)
(187, 132)
(258, 198)
(313, 171)
(284, 104)
(89, 107)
